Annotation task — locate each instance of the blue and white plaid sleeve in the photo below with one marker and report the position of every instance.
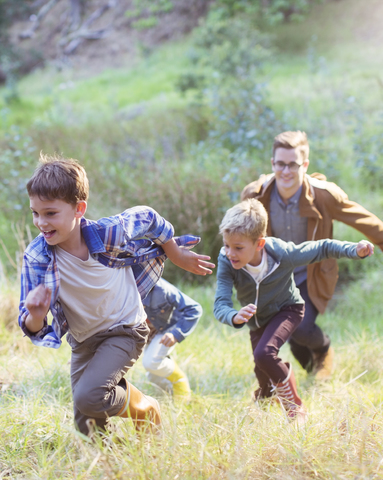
(29, 281)
(145, 222)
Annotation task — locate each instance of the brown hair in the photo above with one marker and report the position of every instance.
(248, 218)
(58, 178)
(292, 140)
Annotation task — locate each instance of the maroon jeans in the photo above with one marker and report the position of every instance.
(267, 341)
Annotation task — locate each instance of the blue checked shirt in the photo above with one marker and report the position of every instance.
(132, 238)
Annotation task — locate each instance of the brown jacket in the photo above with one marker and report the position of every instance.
(321, 202)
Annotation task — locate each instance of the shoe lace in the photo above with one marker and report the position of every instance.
(284, 394)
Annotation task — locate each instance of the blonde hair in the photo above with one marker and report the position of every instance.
(292, 140)
(59, 178)
(248, 218)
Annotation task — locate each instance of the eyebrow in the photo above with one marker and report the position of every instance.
(44, 208)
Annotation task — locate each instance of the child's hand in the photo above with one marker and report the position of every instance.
(244, 315)
(188, 260)
(37, 303)
(365, 249)
(195, 263)
(168, 340)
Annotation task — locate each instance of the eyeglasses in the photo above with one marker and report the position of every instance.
(292, 166)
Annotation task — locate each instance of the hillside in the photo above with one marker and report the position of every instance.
(100, 34)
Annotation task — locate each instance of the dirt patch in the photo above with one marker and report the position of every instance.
(118, 39)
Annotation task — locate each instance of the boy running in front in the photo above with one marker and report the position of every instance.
(92, 275)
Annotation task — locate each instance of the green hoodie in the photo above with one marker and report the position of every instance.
(277, 288)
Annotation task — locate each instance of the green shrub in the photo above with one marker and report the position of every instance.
(145, 23)
(273, 12)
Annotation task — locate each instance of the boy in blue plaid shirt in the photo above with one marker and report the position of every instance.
(91, 276)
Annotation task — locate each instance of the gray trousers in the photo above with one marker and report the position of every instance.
(97, 367)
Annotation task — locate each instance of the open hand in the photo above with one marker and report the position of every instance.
(196, 263)
(244, 315)
(365, 249)
(188, 260)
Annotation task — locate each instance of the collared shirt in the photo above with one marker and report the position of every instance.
(132, 238)
(287, 224)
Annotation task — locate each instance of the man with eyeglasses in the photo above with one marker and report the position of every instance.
(302, 207)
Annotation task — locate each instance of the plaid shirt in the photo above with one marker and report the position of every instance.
(115, 242)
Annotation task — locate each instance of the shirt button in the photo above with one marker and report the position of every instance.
(162, 311)
(110, 262)
(135, 261)
(288, 228)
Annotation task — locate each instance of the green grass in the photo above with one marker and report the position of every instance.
(221, 433)
(50, 95)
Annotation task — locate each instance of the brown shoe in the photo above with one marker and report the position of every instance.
(323, 364)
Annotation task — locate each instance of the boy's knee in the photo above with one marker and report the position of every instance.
(88, 402)
(150, 364)
(262, 357)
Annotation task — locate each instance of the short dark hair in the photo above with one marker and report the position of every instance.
(292, 140)
(59, 178)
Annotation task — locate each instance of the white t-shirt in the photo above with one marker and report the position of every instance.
(260, 270)
(94, 297)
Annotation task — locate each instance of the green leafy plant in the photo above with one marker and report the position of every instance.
(145, 23)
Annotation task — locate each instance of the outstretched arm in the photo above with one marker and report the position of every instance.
(186, 259)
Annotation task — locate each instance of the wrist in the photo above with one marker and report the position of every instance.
(33, 324)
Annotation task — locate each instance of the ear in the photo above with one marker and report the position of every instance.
(80, 209)
(261, 243)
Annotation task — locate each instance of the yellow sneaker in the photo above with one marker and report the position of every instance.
(323, 365)
(180, 382)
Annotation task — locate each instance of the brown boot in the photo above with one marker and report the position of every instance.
(287, 395)
(142, 409)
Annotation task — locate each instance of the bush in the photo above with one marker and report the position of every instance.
(272, 12)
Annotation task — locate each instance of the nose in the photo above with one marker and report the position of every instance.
(40, 222)
(286, 165)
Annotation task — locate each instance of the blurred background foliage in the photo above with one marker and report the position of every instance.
(193, 121)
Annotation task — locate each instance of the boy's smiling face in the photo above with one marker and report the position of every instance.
(241, 250)
(56, 219)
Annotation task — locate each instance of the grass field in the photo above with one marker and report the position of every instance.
(221, 433)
